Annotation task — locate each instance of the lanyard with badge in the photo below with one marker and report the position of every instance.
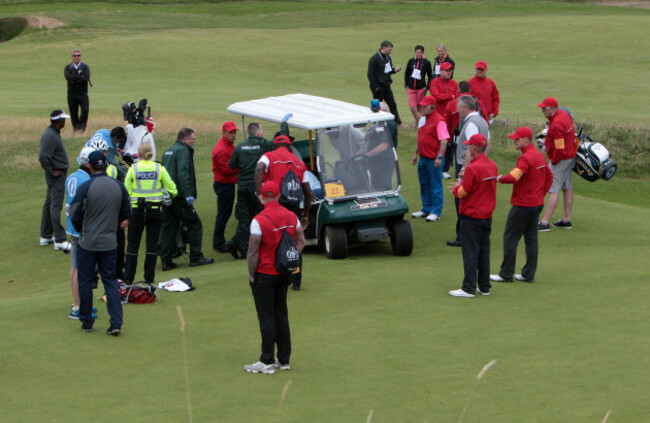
(417, 73)
(387, 66)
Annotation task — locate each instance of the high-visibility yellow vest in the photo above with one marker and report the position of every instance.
(111, 171)
(146, 179)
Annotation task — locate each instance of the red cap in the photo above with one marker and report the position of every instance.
(446, 66)
(229, 127)
(523, 132)
(548, 102)
(282, 139)
(477, 139)
(427, 100)
(481, 65)
(270, 189)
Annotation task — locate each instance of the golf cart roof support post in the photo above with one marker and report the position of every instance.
(243, 125)
(311, 151)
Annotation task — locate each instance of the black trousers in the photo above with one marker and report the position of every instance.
(248, 206)
(476, 253)
(148, 216)
(522, 221)
(178, 212)
(386, 94)
(51, 217)
(457, 203)
(76, 102)
(225, 200)
(270, 293)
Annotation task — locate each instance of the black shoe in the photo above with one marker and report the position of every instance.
(113, 331)
(562, 224)
(232, 250)
(295, 287)
(168, 265)
(201, 261)
(454, 243)
(222, 248)
(543, 227)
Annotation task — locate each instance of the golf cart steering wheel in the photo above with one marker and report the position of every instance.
(350, 165)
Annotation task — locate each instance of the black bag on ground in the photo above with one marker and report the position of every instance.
(291, 191)
(287, 257)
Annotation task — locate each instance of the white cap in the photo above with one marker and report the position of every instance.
(83, 155)
(59, 114)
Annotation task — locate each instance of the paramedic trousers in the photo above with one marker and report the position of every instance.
(179, 212)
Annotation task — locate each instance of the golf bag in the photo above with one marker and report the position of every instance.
(593, 160)
(138, 130)
(138, 293)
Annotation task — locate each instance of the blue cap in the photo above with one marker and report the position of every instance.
(374, 105)
(97, 159)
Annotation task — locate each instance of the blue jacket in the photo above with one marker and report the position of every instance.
(72, 184)
(105, 134)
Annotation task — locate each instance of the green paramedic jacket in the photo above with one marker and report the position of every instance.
(179, 162)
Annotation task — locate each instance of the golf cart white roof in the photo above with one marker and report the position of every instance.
(309, 111)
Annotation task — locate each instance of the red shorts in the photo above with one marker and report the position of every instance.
(415, 96)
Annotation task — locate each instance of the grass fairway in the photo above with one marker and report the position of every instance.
(375, 337)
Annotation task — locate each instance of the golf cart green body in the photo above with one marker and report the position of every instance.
(356, 180)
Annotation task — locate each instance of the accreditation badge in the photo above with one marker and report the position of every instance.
(417, 74)
(388, 68)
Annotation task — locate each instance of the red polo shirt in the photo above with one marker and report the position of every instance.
(271, 221)
(478, 191)
(560, 137)
(430, 134)
(279, 162)
(221, 153)
(532, 178)
(486, 91)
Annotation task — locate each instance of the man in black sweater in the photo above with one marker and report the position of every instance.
(77, 74)
(380, 69)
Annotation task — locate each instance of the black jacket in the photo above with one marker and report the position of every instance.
(77, 78)
(376, 75)
(426, 74)
(438, 63)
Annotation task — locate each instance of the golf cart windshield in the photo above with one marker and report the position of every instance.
(355, 160)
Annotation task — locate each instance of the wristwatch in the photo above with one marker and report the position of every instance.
(439, 157)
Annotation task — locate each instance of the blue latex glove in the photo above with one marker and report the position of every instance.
(189, 200)
(287, 117)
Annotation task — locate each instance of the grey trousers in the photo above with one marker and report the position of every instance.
(51, 217)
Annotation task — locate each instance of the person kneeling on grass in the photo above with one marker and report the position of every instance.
(268, 285)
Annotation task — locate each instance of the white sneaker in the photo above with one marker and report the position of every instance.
(521, 278)
(497, 278)
(483, 293)
(45, 241)
(280, 366)
(433, 218)
(259, 367)
(418, 215)
(445, 175)
(63, 246)
(460, 293)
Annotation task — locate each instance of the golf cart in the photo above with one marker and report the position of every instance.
(356, 180)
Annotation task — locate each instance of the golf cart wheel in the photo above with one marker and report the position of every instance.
(335, 242)
(608, 170)
(401, 238)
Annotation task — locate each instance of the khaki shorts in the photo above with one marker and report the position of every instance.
(74, 243)
(562, 172)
